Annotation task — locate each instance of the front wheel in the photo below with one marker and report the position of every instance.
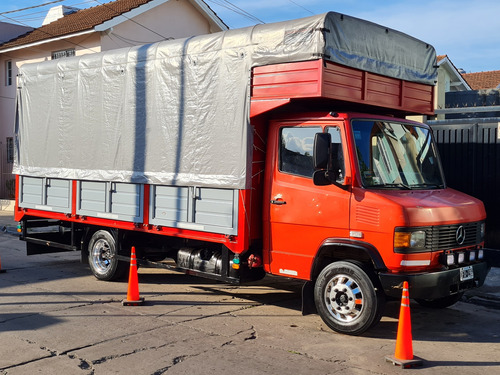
(102, 257)
(346, 298)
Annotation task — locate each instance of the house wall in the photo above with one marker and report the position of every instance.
(173, 19)
(179, 19)
(83, 44)
(10, 31)
(442, 86)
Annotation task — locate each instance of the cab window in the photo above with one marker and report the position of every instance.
(296, 149)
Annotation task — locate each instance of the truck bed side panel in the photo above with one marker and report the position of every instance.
(321, 79)
(48, 194)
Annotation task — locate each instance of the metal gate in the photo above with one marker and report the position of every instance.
(470, 154)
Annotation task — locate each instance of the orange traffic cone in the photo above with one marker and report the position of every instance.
(403, 355)
(133, 298)
(1, 270)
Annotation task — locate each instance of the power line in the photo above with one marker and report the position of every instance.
(300, 6)
(130, 19)
(32, 7)
(50, 35)
(41, 14)
(132, 42)
(79, 45)
(234, 8)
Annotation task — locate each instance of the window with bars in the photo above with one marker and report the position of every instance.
(10, 150)
(63, 53)
(8, 73)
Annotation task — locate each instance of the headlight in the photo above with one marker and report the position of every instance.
(417, 239)
(483, 231)
(480, 254)
(472, 256)
(409, 241)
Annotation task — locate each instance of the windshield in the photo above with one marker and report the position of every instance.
(396, 155)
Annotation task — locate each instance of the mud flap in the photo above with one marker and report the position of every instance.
(308, 305)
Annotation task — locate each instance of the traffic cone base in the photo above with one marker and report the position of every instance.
(133, 298)
(403, 355)
(405, 363)
(138, 302)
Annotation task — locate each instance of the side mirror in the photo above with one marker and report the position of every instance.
(320, 178)
(328, 162)
(321, 150)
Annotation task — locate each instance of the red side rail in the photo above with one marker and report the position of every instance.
(320, 79)
(236, 243)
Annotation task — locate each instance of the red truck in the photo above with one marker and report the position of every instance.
(280, 149)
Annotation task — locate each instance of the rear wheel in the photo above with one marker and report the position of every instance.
(440, 303)
(102, 257)
(346, 298)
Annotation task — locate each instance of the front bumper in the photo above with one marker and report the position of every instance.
(433, 285)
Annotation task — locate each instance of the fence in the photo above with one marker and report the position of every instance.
(470, 153)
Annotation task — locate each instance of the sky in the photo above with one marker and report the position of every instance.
(468, 31)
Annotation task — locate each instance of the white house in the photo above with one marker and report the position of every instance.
(10, 31)
(67, 31)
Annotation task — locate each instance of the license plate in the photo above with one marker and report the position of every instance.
(466, 273)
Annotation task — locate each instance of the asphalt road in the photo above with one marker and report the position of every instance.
(55, 318)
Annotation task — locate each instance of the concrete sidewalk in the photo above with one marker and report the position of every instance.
(488, 294)
(7, 215)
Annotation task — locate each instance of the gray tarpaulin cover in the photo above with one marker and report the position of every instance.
(177, 112)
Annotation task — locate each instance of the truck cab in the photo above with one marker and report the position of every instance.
(358, 203)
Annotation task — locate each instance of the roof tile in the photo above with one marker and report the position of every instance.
(483, 80)
(82, 20)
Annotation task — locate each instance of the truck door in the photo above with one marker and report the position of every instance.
(300, 215)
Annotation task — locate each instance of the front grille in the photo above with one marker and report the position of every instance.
(444, 237)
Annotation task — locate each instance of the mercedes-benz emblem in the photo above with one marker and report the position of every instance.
(460, 235)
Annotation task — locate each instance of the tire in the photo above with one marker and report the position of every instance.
(346, 298)
(102, 251)
(440, 303)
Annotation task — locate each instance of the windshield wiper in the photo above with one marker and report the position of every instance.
(393, 185)
(428, 185)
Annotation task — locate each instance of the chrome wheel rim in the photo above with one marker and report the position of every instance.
(101, 256)
(344, 299)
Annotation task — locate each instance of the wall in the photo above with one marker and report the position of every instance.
(179, 19)
(83, 44)
(173, 19)
(10, 31)
(470, 155)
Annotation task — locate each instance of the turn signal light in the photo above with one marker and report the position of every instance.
(402, 239)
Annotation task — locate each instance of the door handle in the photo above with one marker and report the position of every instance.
(278, 199)
(278, 202)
